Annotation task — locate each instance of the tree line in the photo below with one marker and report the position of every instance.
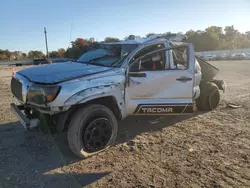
(212, 38)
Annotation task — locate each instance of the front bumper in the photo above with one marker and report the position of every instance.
(24, 120)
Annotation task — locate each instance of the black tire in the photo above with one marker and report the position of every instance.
(209, 97)
(80, 137)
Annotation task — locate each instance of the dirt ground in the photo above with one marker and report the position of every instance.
(204, 150)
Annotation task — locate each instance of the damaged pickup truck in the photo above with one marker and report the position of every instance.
(158, 75)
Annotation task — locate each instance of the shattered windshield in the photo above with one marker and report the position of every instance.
(110, 55)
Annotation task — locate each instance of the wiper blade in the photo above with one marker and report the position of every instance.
(100, 58)
(85, 62)
(94, 63)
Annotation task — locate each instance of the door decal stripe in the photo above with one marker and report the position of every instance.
(155, 109)
(141, 98)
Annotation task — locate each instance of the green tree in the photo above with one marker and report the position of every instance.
(61, 52)
(8, 54)
(111, 39)
(214, 33)
(247, 34)
(80, 46)
(24, 55)
(35, 54)
(150, 34)
(53, 54)
(190, 33)
(130, 37)
(202, 41)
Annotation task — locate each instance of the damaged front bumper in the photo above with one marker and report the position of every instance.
(28, 123)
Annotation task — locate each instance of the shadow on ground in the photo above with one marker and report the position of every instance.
(35, 159)
(134, 125)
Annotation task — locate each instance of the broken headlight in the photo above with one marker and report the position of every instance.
(40, 94)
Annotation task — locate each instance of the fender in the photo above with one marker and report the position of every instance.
(96, 92)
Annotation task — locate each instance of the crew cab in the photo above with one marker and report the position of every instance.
(158, 75)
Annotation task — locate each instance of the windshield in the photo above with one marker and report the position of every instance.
(107, 55)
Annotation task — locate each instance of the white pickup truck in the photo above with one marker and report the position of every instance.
(158, 75)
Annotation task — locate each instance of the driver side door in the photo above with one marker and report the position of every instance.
(165, 90)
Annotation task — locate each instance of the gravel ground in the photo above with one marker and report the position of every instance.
(203, 150)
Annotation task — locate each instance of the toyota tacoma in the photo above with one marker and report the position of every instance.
(158, 75)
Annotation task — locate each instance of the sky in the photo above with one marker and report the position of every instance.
(22, 22)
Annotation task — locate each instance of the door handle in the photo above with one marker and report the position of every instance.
(137, 74)
(184, 79)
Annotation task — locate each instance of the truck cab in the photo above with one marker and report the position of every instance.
(159, 75)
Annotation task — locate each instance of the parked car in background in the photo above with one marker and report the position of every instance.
(210, 57)
(40, 61)
(222, 57)
(247, 55)
(201, 57)
(50, 60)
(225, 57)
(239, 56)
(60, 60)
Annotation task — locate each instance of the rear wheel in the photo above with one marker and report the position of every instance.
(92, 129)
(209, 97)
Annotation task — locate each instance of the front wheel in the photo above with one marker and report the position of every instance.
(92, 129)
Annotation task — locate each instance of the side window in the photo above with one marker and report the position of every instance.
(179, 58)
(152, 62)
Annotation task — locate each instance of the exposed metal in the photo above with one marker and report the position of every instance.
(25, 121)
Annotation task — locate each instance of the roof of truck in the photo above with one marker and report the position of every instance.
(157, 37)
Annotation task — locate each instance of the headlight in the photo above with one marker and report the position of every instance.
(40, 94)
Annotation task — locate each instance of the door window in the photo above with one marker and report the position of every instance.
(151, 62)
(179, 58)
(156, 60)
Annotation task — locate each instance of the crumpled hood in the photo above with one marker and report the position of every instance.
(58, 72)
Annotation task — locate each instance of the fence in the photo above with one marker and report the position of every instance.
(224, 52)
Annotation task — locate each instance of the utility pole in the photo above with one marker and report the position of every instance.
(46, 42)
(70, 35)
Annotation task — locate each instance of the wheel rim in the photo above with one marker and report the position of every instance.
(97, 134)
(214, 99)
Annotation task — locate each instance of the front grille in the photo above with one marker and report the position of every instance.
(16, 88)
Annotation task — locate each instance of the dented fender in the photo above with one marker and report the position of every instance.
(83, 96)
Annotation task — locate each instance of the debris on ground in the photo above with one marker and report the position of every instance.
(234, 105)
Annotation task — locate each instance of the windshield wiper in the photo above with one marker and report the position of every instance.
(85, 62)
(95, 63)
(93, 60)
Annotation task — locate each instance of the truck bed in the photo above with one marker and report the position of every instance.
(208, 71)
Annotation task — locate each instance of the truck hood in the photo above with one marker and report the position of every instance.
(59, 72)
